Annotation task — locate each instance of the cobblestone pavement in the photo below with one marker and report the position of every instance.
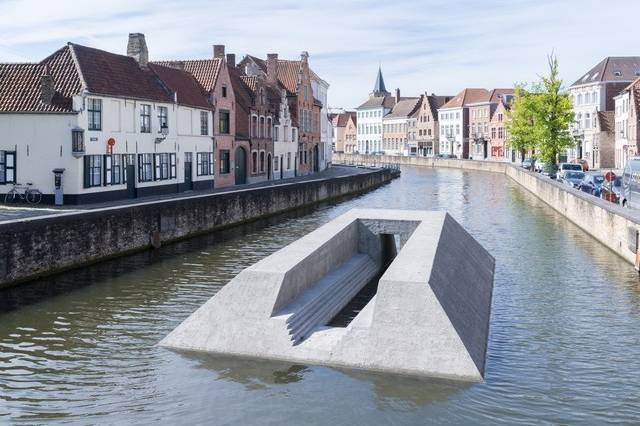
(19, 211)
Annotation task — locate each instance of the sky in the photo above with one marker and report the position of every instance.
(434, 46)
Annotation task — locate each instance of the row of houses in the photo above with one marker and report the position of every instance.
(117, 126)
(472, 124)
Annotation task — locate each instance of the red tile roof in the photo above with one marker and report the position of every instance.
(109, 74)
(21, 84)
(184, 85)
(467, 96)
(205, 71)
(340, 120)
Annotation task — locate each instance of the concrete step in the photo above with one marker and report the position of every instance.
(327, 297)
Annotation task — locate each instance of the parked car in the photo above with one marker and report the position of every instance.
(445, 156)
(592, 183)
(527, 163)
(567, 166)
(584, 163)
(572, 178)
(630, 193)
(610, 191)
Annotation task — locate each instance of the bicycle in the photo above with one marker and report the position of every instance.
(30, 195)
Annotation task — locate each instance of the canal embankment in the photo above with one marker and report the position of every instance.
(614, 226)
(32, 247)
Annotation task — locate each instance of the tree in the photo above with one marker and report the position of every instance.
(540, 118)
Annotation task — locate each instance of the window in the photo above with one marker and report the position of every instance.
(94, 113)
(254, 126)
(500, 132)
(224, 91)
(7, 167)
(145, 167)
(128, 160)
(92, 170)
(163, 117)
(269, 125)
(116, 169)
(204, 163)
(223, 122)
(165, 166)
(254, 162)
(275, 164)
(261, 161)
(145, 119)
(77, 140)
(493, 133)
(587, 120)
(275, 133)
(288, 160)
(204, 123)
(261, 130)
(225, 161)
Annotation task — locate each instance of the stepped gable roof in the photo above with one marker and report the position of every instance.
(466, 97)
(404, 108)
(106, 73)
(205, 71)
(378, 101)
(20, 84)
(606, 121)
(287, 72)
(188, 91)
(612, 68)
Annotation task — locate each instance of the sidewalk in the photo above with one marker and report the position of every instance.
(20, 211)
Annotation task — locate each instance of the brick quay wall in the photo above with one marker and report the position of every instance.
(43, 245)
(614, 226)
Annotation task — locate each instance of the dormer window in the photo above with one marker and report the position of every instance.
(617, 73)
(224, 91)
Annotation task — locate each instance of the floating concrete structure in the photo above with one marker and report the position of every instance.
(429, 316)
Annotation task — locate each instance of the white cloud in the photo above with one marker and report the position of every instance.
(438, 46)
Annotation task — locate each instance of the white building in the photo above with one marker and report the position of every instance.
(453, 119)
(594, 92)
(369, 117)
(285, 142)
(624, 147)
(138, 129)
(320, 89)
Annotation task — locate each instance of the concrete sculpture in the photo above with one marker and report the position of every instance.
(429, 316)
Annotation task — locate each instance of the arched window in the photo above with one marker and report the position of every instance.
(269, 126)
(261, 161)
(254, 162)
(262, 132)
(254, 126)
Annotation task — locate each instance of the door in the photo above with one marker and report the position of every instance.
(188, 172)
(131, 181)
(241, 166)
(281, 164)
(316, 159)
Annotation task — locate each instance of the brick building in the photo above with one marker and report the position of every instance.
(427, 135)
(480, 116)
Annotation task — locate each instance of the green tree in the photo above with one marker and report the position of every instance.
(540, 118)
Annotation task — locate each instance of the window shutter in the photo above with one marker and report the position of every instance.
(87, 178)
(173, 166)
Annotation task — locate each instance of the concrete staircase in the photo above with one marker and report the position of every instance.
(320, 303)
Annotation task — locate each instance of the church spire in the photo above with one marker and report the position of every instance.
(379, 89)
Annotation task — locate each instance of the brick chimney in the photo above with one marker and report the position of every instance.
(397, 95)
(47, 88)
(137, 49)
(304, 56)
(218, 51)
(231, 60)
(272, 68)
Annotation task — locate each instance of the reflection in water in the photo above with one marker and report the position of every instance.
(564, 344)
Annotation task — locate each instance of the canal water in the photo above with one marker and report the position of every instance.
(564, 344)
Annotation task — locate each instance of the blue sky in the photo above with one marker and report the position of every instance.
(434, 45)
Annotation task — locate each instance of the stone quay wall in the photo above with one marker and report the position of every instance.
(614, 226)
(38, 246)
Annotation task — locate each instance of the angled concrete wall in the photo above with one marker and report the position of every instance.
(429, 316)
